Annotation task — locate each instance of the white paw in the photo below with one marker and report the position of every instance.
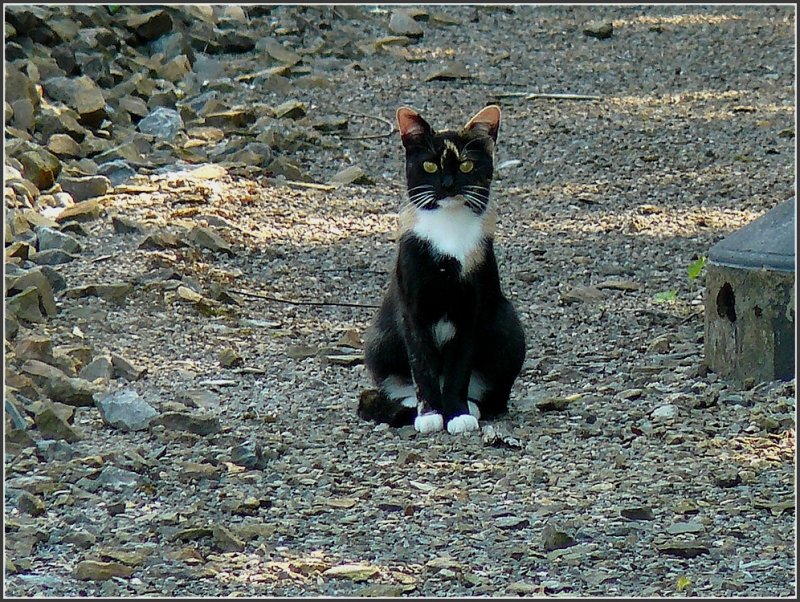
(429, 423)
(462, 424)
(474, 410)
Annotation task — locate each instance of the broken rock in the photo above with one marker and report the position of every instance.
(53, 239)
(125, 410)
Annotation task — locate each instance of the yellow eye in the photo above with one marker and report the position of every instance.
(466, 166)
(430, 167)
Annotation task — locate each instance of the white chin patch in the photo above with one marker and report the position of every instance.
(462, 424)
(452, 229)
(429, 423)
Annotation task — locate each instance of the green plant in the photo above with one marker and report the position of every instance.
(694, 268)
(665, 296)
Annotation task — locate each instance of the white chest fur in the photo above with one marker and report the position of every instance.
(452, 229)
(443, 331)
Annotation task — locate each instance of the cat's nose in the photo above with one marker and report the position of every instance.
(447, 182)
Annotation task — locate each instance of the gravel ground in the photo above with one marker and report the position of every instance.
(624, 467)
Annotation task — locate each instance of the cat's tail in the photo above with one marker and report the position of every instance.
(374, 405)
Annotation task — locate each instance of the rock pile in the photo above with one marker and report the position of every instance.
(97, 94)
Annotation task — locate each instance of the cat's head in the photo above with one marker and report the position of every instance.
(447, 167)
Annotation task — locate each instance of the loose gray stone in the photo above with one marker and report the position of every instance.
(114, 292)
(727, 477)
(687, 527)
(83, 211)
(48, 450)
(18, 420)
(125, 410)
(81, 94)
(511, 522)
(229, 358)
(30, 504)
(684, 549)
(25, 306)
(99, 368)
(162, 123)
(53, 239)
(53, 257)
(200, 424)
(123, 368)
(80, 538)
(555, 539)
(58, 386)
(250, 455)
(199, 398)
(54, 277)
(599, 29)
(35, 347)
(151, 25)
(402, 24)
(110, 477)
(637, 513)
(207, 239)
(85, 187)
(23, 114)
(665, 412)
(226, 541)
(53, 426)
(11, 326)
(93, 570)
(126, 225)
(40, 167)
(117, 171)
(63, 145)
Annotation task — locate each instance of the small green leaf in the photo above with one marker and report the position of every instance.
(665, 296)
(682, 583)
(696, 267)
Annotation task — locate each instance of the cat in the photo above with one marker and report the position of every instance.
(446, 345)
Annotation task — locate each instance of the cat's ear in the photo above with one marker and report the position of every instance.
(486, 120)
(411, 125)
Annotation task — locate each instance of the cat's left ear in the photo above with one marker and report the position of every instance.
(411, 125)
(486, 120)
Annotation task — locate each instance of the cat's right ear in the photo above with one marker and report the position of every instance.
(412, 127)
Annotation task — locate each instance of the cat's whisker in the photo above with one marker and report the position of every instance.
(478, 194)
(475, 202)
(421, 186)
(421, 195)
(476, 187)
(421, 199)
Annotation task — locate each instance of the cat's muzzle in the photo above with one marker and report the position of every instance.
(451, 202)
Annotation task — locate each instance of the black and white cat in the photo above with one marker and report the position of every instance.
(446, 345)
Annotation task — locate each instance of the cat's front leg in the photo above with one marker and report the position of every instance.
(423, 361)
(456, 373)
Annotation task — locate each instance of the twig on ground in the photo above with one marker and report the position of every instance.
(537, 95)
(309, 303)
(313, 185)
(368, 136)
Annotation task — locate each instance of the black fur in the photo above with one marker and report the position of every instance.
(428, 286)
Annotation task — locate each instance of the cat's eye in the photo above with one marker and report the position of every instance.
(430, 166)
(466, 166)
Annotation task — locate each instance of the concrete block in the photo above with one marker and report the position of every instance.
(750, 309)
